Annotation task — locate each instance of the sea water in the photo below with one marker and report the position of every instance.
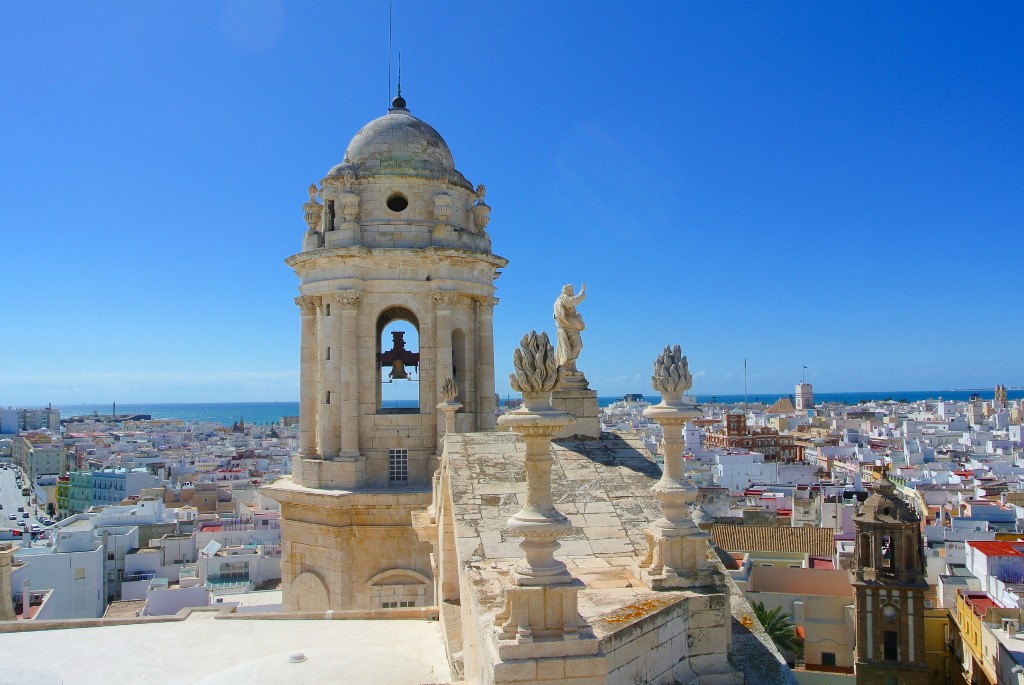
(226, 413)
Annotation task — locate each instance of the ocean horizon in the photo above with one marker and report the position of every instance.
(226, 413)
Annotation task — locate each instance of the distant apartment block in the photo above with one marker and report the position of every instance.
(13, 420)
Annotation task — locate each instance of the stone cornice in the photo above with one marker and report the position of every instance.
(438, 254)
(287, 492)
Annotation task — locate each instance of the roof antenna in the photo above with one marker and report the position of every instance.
(389, 51)
(398, 102)
(744, 386)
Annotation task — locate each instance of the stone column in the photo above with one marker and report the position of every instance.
(485, 362)
(330, 377)
(542, 603)
(676, 546)
(443, 303)
(348, 306)
(308, 346)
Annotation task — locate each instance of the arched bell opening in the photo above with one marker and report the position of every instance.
(398, 362)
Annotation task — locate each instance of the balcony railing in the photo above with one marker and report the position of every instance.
(227, 580)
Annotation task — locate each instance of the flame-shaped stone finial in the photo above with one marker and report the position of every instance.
(671, 373)
(449, 390)
(537, 369)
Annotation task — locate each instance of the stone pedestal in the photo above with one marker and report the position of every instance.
(539, 523)
(575, 397)
(447, 409)
(675, 560)
(676, 547)
(543, 621)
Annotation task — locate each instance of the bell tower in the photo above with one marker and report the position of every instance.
(396, 289)
(889, 584)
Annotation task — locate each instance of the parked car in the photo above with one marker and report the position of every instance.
(25, 515)
(12, 517)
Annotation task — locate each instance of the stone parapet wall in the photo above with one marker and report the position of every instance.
(223, 613)
(683, 640)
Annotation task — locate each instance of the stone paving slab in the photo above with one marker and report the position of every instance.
(603, 486)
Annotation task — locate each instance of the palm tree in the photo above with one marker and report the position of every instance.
(780, 629)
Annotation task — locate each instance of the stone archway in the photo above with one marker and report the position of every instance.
(309, 593)
(400, 588)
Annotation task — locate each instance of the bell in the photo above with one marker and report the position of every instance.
(398, 371)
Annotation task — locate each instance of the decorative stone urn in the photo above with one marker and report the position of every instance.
(481, 215)
(312, 210)
(676, 547)
(443, 203)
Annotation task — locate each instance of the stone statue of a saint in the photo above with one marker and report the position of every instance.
(570, 324)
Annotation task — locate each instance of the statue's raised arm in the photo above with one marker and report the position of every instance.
(576, 299)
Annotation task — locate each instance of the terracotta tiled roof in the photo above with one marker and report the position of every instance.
(996, 548)
(819, 542)
(783, 405)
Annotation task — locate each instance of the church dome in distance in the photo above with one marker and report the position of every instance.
(399, 144)
(884, 505)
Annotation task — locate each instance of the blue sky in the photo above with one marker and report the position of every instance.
(836, 185)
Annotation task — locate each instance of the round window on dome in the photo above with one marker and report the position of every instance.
(397, 202)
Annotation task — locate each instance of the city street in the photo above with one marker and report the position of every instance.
(11, 498)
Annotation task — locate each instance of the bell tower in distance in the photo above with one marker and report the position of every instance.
(889, 585)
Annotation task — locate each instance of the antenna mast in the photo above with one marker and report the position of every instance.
(744, 386)
(389, 54)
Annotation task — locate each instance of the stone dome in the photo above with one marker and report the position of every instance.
(398, 144)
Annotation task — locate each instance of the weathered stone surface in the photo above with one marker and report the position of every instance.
(642, 634)
(582, 404)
